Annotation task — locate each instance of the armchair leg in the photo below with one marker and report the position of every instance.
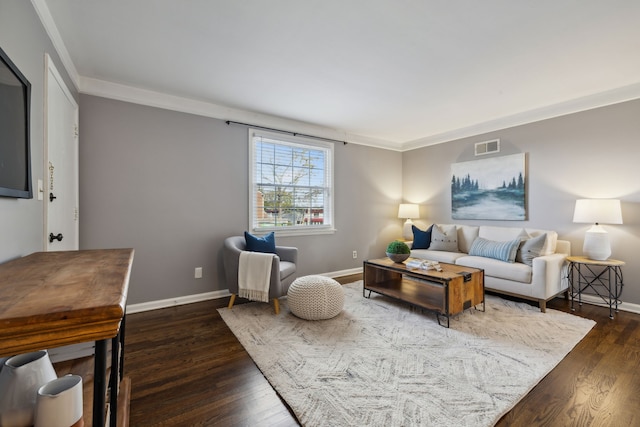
(276, 305)
(231, 301)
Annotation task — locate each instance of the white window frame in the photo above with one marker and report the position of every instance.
(328, 226)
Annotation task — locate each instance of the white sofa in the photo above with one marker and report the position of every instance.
(542, 281)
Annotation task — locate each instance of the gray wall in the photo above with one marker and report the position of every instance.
(25, 41)
(173, 186)
(592, 154)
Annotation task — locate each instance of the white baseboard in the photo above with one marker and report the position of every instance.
(73, 351)
(189, 299)
(341, 273)
(624, 306)
(171, 302)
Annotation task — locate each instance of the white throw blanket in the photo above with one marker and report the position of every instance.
(254, 274)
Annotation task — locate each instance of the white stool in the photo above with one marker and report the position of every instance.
(315, 297)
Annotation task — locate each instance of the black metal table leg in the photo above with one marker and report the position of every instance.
(113, 381)
(99, 383)
(122, 332)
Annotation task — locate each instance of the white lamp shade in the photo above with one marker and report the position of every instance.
(408, 211)
(598, 211)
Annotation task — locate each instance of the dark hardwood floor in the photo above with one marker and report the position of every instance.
(187, 369)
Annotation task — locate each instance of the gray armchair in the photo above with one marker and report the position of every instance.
(283, 269)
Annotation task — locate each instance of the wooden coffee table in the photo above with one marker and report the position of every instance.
(448, 292)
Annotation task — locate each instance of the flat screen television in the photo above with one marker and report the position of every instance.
(15, 108)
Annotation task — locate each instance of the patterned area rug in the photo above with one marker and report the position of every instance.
(384, 363)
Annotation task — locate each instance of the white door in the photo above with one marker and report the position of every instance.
(61, 182)
(61, 164)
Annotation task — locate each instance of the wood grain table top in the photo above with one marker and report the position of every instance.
(449, 271)
(605, 263)
(51, 299)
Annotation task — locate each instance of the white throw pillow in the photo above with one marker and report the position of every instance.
(531, 248)
(444, 239)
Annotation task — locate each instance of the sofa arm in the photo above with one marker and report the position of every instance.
(549, 275)
(287, 253)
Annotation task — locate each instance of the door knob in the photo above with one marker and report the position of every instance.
(52, 197)
(52, 237)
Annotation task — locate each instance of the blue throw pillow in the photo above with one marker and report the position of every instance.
(503, 251)
(265, 244)
(421, 239)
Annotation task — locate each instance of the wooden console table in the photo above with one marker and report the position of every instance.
(51, 299)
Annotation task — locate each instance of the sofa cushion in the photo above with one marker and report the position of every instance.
(516, 271)
(466, 235)
(444, 238)
(265, 244)
(530, 248)
(504, 251)
(421, 239)
(286, 269)
(499, 234)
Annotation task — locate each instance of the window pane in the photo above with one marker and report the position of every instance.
(301, 176)
(283, 155)
(300, 157)
(316, 177)
(266, 154)
(265, 174)
(283, 175)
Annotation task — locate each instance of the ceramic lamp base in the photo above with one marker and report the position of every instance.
(596, 244)
(407, 231)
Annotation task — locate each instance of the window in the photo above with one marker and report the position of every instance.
(291, 181)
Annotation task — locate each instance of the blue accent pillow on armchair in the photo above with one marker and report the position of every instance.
(266, 244)
(421, 239)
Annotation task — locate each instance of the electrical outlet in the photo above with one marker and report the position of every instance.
(198, 273)
(355, 254)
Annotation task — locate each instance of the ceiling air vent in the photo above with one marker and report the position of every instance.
(487, 147)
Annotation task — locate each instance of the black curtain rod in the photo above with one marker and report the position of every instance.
(229, 122)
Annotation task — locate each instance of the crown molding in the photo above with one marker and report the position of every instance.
(161, 100)
(50, 27)
(151, 98)
(589, 102)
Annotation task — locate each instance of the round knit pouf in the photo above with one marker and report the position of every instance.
(315, 297)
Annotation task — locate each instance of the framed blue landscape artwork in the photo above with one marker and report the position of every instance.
(492, 188)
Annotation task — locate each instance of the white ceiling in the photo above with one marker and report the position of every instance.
(400, 73)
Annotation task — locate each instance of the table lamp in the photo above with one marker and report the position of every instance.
(408, 211)
(595, 211)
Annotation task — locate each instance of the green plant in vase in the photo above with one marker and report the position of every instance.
(398, 251)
